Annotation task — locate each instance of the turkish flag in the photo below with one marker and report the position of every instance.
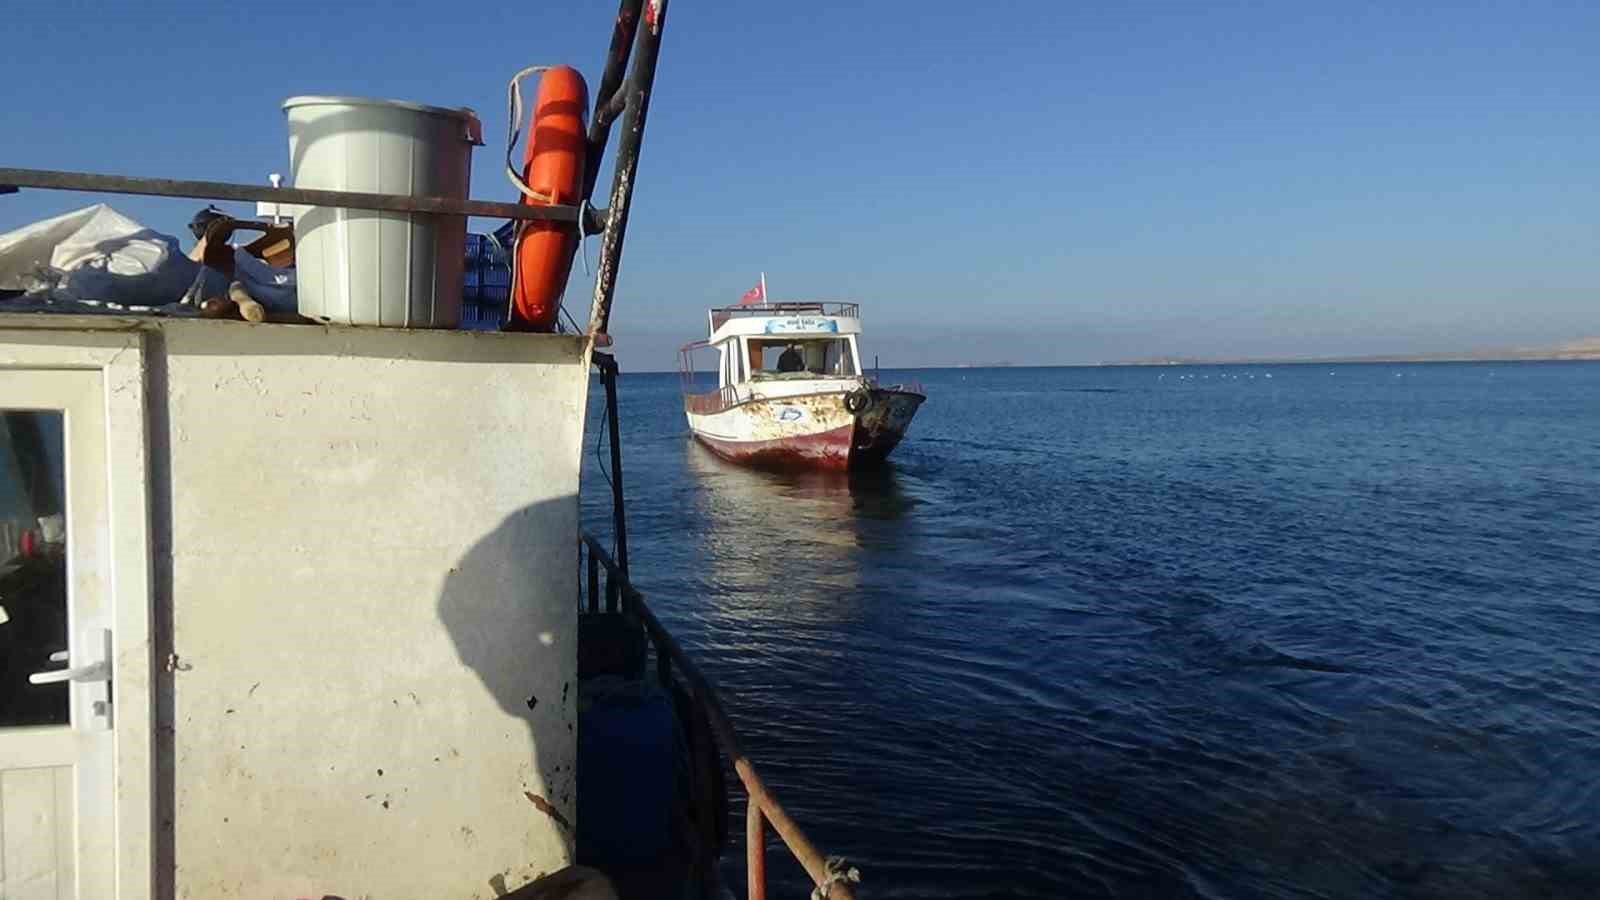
(756, 294)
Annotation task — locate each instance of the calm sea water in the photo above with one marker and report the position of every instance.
(1262, 631)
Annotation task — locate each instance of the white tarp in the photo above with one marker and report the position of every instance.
(98, 255)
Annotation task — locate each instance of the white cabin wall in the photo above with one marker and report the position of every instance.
(372, 572)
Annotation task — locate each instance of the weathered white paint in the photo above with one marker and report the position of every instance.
(769, 415)
(57, 838)
(364, 566)
(37, 853)
(370, 530)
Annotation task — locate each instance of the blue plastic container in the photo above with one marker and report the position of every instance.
(627, 752)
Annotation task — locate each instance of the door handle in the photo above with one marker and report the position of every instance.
(95, 671)
(94, 677)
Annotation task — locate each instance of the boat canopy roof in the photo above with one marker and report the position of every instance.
(809, 318)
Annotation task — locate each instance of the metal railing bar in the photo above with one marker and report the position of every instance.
(222, 190)
(594, 583)
(755, 851)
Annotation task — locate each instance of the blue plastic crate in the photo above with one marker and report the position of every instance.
(481, 317)
(486, 280)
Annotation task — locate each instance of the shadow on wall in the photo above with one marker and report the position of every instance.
(509, 606)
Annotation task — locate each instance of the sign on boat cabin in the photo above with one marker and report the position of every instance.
(801, 325)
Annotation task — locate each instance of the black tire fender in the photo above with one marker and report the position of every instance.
(857, 401)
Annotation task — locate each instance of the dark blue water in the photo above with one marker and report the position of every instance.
(1269, 631)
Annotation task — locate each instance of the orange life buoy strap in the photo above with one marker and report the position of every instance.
(514, 131)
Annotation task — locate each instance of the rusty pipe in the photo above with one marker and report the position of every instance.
(755, 851)
(815, 864)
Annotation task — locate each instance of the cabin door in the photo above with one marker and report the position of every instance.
(56, 698)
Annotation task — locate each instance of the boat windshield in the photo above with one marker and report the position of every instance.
(792, 358)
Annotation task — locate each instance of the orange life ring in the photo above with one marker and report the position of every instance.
(553, 168)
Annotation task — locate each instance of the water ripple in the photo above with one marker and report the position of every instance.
(1099, 634)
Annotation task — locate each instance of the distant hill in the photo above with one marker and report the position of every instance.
(1583, 348)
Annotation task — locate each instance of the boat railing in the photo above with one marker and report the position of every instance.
(843, 309)
(711, 402)
(830, 875)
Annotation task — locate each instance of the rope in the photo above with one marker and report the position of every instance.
(599, 439)
(839, 871)
(576, 328)
(514, 131)
(516, 272)
(500, 248)
(583, 239)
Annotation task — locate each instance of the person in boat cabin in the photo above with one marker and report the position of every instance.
(791, 360)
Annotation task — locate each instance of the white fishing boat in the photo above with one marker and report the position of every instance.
(790, 387)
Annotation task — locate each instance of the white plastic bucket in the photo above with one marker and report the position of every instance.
(366, 267)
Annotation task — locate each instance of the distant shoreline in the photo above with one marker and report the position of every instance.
(1583, 349)
(1243, 361)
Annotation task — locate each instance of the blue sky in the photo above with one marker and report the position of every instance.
(1028, 182)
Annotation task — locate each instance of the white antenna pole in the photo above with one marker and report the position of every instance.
(765, 297)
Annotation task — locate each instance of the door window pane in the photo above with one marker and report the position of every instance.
(33, 567)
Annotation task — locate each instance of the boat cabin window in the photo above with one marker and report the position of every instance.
(731, 365)
(801, 358)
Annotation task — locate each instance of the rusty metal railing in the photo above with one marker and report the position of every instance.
(830, 878)
(711, 402)
(840, 308)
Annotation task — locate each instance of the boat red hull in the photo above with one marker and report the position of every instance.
(866, 441)
(823, 449)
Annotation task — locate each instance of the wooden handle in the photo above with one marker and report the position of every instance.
(248, 307)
